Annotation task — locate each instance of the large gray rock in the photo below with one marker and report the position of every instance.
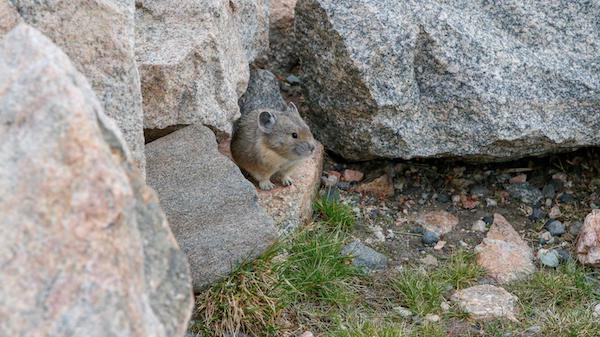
(98, 36)
(9, 17)
(282, 54)
(85, 248)
(213, 210)
(263, 92)
(429, 78)
(193, 57)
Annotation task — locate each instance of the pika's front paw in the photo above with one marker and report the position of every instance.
(266, 185)
(287, 181)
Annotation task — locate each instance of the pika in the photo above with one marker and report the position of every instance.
(268, 142)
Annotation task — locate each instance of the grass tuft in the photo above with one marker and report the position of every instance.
(419, 292)
(460, 271)
(334, 213)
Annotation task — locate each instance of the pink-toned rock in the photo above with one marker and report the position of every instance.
(352, 176)
(469, 202)
(290, 206)
(504, 254)
(336, 174)
(588, 242)
(9, 17)
(85, 248)
(382, 187)
(518, 179)
(554, 212)
(440, 222)
(485, 302)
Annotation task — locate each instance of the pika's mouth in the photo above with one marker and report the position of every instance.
(305, 149)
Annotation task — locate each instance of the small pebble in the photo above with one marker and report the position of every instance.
(566, 198)
(488, 219)
(536, 214)
(343, 185)
(555, 227)
(432, 318)
(456, 199)
(549, 191)
(548, 258)
(548, 202)
(596, 312)
(402, 311)
(445, 306)
(440, 245)
(564, 255)
(430, 238)
(443, 198)
(554, 212)
(518, 179)
(352, 176)
(546, 237)
(575, 228)
(293, 79)
(479, 191)
(479, 226)
(491, 202)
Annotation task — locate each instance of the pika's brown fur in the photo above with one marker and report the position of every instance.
(267, 142)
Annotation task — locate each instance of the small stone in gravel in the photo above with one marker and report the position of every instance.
(343, 185)
(502, 177)
(536, 214)
(430, 238)
(566, 198)
(562, 177)
(365, 257)
(479, 226)
(456, 199)
(469, 202)
(429, 260)
(443, 198)
(518, 179)
(596, 312)
(491, 202)
(524, 192)
(352, 176)
(441, 222)
(575, 228)
(445, 306)
(432, 318)
(588, 242)
(440, 245)
(555, 227)
(307, 334)
(402, 311)
(293, 79)
(549, 258)
(564, 255)
(479, 191)
(554, 212)
(549, 191)
(546, 237)
(486, 302)
(382, 187)
(488, 219)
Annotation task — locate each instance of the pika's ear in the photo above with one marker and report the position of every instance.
(291, 108)
(266, 121)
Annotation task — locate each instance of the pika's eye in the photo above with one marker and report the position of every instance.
(294, 135)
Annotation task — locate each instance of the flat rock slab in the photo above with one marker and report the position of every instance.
(504, 254)
(365, 257)
(588, 242)
(440, 222)
(484, 302)
(213, 210)
(291, 206)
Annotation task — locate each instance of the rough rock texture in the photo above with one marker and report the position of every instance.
(85, 249)
(588, 242)
(282, 55)
(262, 92)
(193, 58)
(9, 17)
(440, 222)
(428, 78)
(213, 211)
(485, 302)
(99, 39)
(365, 256)
(504, 254)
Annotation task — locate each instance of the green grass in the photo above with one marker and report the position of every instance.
(370, 328)
(422, 291)
(315, 269)
(460, 271)
(334, 213)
